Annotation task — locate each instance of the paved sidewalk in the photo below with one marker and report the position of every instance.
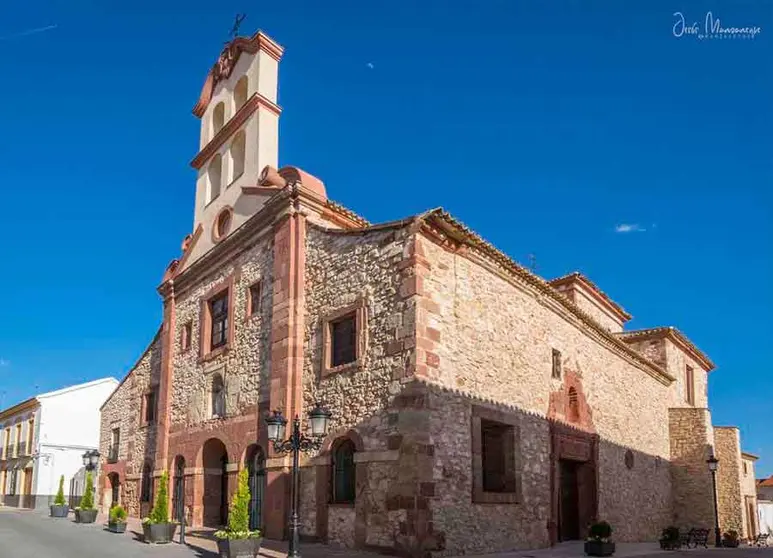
(631, 550)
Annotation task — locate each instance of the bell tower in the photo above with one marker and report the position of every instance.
(239, 137)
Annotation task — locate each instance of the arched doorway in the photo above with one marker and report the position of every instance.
(255, 460)
(178, 493)
(115, 489)
(215, 460)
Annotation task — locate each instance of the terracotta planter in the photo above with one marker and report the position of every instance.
(238, 548)
(85, 516)
(158, 533)
(60, 511)
(116, 527)
(598, 548)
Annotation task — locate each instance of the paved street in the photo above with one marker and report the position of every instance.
(26, 534)
(30, 534)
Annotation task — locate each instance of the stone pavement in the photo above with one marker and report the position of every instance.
(32, 534)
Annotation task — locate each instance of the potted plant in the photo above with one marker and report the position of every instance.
(60, 507)
(157, 528)
(669, 539)
(599, 541)
(237, 541)
(86, 512)
(730, 539)
(117, 520)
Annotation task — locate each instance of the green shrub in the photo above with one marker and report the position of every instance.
(601, 531)
(59, 500)
(117, 514)
(87, 502)
(239, 514)
(160, 513)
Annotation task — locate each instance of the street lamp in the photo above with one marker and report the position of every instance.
(91, 459)
(296, 443)
(713, 462)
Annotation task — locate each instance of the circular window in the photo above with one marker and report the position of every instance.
(629, 459)
(222, 224)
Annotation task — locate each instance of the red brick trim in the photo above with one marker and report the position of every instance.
(360, 311)
(227, 61)
(232, 126)
(250, 310)
(218, 235)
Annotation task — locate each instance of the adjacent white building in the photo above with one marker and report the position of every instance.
(45, 437)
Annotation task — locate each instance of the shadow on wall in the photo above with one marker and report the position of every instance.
(439, 470)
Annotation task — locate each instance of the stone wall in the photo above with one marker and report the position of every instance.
(692, 439)
(137, 443)
(727, 444)
(494, 341)
(246, 365)
(677, 362)
(345, 269)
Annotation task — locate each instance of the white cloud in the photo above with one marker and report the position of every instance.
(627, 228)
(370, 65)
(27, 32)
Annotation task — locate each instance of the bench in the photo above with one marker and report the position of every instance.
(761, 539)
(698, 537)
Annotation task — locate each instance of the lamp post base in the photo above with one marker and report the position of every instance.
(717, 537)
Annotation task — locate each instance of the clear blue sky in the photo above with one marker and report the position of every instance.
(542, 125)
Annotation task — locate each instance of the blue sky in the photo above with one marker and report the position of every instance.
(542, 125)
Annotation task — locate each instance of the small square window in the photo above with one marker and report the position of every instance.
(343, 337)
(557, 370)
(186, 336)
(253, 299)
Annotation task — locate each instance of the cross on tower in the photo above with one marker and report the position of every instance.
(237, 22)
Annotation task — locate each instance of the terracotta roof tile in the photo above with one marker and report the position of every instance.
(674, 335)
(578, 277)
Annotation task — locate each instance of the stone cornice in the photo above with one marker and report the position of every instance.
(232, 126)
(600, 296)
(293, 197)
(133, 368)
(22, 407)
(455, 236)
(227, 60)
(676, 337)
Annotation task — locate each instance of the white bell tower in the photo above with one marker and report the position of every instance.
(239, 137)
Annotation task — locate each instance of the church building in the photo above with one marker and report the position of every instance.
(476, 407)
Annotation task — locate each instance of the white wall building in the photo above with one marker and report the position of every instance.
(44, 438)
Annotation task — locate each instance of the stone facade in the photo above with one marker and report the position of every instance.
(459, 359)
(692, 440)
(749, 494)
(728, 450)
(137, 441)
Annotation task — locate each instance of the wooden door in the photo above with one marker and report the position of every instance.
(569, 501)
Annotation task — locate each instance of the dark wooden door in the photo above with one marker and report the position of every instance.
(569, 501)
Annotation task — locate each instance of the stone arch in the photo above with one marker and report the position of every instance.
(569, 404)
(213, 458)
(241, 91)
(338, 435)
(218, 118)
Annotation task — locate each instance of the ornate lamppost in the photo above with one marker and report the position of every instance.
(296, 443)
(713, 462)
(91, 459)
